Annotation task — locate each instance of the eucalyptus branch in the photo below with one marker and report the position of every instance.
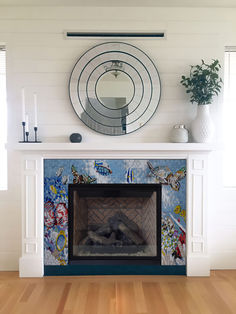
(203, 82)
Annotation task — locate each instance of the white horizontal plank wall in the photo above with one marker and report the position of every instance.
(40, 59)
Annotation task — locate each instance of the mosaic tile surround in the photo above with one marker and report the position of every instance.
(171, 173)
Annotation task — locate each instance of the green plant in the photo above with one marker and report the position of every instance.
(203, 82)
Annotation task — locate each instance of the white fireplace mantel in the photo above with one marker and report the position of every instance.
(108, 147)
(31, 261)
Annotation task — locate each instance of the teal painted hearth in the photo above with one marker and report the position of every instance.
(170, 173)
(96, 270)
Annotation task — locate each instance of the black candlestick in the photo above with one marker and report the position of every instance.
(35, 134)
(23, 126)
(27, 136)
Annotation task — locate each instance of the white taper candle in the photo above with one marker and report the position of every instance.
(23, 103)
(26, 123)
(35, 111)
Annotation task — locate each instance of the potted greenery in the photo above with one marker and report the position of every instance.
(203, 84)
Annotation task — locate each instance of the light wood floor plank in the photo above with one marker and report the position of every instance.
(154, 298)
(140, 302)
(118, 294)
(106, 296)
(180, 297)
(215, 303)
(227, 294)
(78, 305)
(63, 298)
(92, 298)
(72, 296)
(15, 294)
(169, 299)
(125, 298)
(197, 294)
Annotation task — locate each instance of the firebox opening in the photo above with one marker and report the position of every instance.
(114, 221)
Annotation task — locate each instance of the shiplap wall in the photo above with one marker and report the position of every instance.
(40, 59)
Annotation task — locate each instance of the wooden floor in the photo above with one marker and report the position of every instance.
(119, 294)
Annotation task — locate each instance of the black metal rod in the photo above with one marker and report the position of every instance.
(107, 34)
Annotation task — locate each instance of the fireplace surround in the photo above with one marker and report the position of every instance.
(33, 157)
(129, 217)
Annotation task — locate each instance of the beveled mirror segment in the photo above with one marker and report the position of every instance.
(114, 88)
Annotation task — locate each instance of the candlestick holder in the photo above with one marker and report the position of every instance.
(26, 135)
(23, 127)
(35, 135)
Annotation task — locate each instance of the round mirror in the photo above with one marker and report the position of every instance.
(114, 88)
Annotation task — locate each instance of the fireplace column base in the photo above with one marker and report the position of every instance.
(198, 266)
(31, 266)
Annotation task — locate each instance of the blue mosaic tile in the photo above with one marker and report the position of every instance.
(171, 173)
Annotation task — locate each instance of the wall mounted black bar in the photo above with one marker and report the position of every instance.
(103, 34)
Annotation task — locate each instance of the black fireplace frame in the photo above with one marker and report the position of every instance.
(113, 190)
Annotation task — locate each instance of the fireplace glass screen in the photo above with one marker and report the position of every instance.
(114, 221)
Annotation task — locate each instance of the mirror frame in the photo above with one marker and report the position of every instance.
(86, 73)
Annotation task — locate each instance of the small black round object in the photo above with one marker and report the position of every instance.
(75, 138)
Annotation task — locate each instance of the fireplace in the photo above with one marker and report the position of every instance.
(114, 222)
(45, 242)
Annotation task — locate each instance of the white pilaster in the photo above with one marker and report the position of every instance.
(198, 260)
(31, 262)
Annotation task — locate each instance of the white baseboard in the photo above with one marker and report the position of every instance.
(223, 260)
(9, 261)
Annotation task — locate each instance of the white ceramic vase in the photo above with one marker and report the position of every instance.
(202, 127)
(179, 134)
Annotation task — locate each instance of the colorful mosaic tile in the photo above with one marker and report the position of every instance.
(171, 173)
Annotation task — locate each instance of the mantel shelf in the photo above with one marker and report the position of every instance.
(104, 147)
